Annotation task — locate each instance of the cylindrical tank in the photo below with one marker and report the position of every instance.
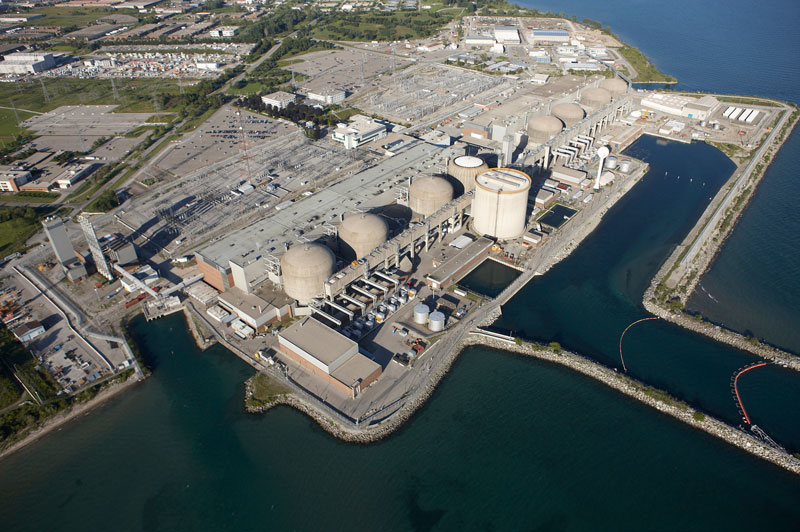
(421, 313)
(615, 86)
(429, 193)
(465, 168)
(360, 233)
(625, 166)
(543, 128)
(595, 98)
(569, 113)
(304, 269)
(611, 162)
(436, 322)
(501, 202)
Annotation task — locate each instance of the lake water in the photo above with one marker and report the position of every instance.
(506, 443)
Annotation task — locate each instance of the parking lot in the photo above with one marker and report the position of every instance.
(219, 138)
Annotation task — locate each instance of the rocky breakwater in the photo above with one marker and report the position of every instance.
(678, 277)
(650, 396)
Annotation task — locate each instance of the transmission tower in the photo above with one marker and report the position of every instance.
(44, 90)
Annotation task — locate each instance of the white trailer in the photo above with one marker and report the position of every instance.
(736, 112)
(728, 111)
(744, 115)
(752, 117)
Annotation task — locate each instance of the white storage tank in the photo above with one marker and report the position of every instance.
(543, 128)
(615, 86)
(360, 233)
(501, 202)
(465, 169)
(595, 98)
(611, 162)
(304, 269)
(427, 194)
(421, 313)
(569, 113)
(625, 166)
(436, 322)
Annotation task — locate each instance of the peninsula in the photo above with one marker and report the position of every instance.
(311, 193)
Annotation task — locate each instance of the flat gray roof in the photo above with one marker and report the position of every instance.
(245, 302)
(356, 368)
(449, 268)
(319, 340)
(341, 197)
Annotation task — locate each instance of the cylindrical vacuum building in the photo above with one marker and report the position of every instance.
(465, 169)
(501, 202)
(427, 194)
(569, 113)
(595, 98)
(304, 270)
(616, 86)
(360, 233)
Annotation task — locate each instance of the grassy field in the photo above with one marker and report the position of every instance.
(646, 71)
(73, 16)
(16, 231)
(251, 87)
(30, 197)
(9, 124)
(265, 389)
(135, 95)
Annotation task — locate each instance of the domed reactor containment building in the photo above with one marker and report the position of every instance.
(501, 202)
(360, 233)
(465, 169)
(304, 269)
(427, 194)
(543, 128)
(569, 113)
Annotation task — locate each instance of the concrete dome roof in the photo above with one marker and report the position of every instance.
(595, 97)
(616, 86)
(543, 128)
(569, 113)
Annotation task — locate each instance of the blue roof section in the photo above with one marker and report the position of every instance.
(552, 33)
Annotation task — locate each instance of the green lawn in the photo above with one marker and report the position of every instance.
(30, 197)
(251, 87)
(8, 122)
(15, 232)
(135, 95)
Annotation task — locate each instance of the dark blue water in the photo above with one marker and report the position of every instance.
(587, 300)
(506, 443)
(731, 47)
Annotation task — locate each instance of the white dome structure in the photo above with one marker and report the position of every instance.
(360, 233)
(465, 169)
(595, 98)
(615, 86)
(304, 270)
(427, 194)
(569, 113)
(543, 128)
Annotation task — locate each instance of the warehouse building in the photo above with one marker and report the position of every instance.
(329, 355)
(686, 106)
(506, 34)
(550, 36)
(26, 63)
